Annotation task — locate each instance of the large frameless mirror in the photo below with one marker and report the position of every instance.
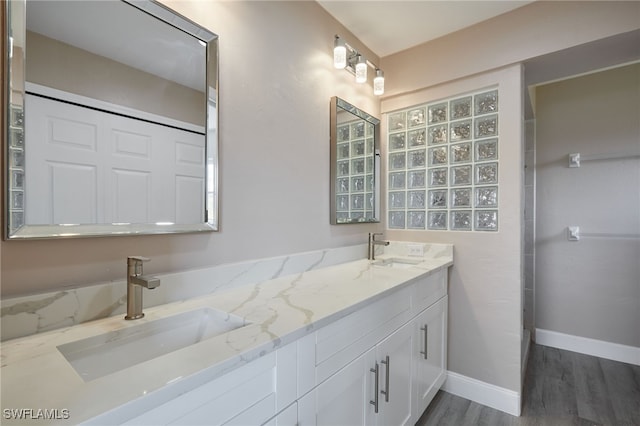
(355, 164)
(111, 112)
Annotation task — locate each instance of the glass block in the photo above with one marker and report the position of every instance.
(460, 108)
(461, 220)
(415, 179)
(397, 141)
(486, 103)
(396, 200)
(357, 148)
(461, 197)
(417, 138)
(437, 113)
(356, 216)
(486, 220)
(369, 129)
(17, 179)
(438, 199)
(415, 117)
(17, 137)
(357, 201)
(416, 200)
(17, 220)
(17, 200)
(437, 134)
(343, 151)
(368, 215)
(460, 175)
(486, 150)
(397, 160)
(416, 220)
(357, 130)
(396, 219)
(437, 156)
(17, 158)
(369, 182)
(438, 177)
(397, 121)
(416, 159)
(357, 166)
(343, 168)
(369, 147)
(486, 196)
(357, 184)
(486, 173)
(486, 126)
(461, 153)
(342, 185)
(460, 130)
(369, 164)
(343, 133)
(16, 117)
(342, 203)
(369, 201)
(437, 220)
(397, 180)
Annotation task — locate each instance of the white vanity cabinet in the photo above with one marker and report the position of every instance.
(383, 341)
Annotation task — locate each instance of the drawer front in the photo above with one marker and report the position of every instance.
(429, 289)
(343, 341)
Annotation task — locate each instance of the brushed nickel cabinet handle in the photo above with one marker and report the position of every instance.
(376, 371)
(386, 380)
(426, 341)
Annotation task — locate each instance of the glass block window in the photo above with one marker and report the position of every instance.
(442, 164)
(355, 174)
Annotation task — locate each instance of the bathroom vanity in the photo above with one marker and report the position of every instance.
(363, 342)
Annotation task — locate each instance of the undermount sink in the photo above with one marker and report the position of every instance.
(110, 352)
(396, 262)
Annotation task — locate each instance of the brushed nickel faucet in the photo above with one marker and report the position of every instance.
(135, 282)
(373, 243)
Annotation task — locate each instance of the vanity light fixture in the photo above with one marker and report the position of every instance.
(347, 57)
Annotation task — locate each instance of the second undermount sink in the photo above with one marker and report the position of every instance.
(397, 262)
(110, 352)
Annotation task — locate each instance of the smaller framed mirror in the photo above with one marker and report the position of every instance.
(355, 164)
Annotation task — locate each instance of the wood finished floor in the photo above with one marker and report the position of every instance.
(561, 388)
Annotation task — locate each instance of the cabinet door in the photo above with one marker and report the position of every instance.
(395, 397)
(429, 353)
(343, 399)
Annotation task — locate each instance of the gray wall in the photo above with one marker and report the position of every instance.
(589, 288)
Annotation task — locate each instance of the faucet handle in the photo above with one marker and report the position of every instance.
(138, 259)
(136, 262)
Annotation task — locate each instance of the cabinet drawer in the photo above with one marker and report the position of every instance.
(343, 341)
(429, 289)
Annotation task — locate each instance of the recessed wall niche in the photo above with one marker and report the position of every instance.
(443, 164)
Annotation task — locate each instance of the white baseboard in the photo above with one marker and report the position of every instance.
(483, 393)
(584, 345)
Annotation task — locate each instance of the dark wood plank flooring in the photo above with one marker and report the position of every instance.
(561, 388)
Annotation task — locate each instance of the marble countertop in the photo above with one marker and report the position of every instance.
(35, 375)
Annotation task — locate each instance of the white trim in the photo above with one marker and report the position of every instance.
(108, 106)
(483, 393)
(585, 345)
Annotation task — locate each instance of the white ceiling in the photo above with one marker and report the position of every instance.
(387, 27)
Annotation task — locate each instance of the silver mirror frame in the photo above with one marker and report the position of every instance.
(14, 15)
(340, 104)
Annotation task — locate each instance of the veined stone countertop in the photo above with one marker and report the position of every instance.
(36, 376)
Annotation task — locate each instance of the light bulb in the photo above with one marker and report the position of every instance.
(378, 83)
(361, 69)
(339, 54)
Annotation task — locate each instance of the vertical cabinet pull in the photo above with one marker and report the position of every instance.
(376, 371)
(386, 379)
(426, 341)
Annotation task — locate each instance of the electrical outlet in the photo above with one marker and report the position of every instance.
(416, 250)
